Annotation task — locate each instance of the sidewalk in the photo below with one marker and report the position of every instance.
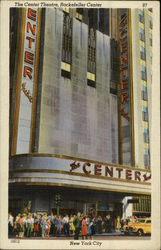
(114, 233)
(110, 234)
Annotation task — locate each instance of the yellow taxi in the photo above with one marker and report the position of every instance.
(141, 226)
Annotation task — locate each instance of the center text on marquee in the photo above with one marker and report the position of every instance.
(111, 171)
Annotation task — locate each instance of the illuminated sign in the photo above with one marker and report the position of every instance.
(27, 79)
(124, 68)
(111, 171)
(56, 170)
(29, 52)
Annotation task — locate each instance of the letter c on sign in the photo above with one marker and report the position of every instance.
(86, 164)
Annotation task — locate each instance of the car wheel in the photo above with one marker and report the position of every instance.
(140, 232)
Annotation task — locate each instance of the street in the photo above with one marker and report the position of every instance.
(96, 237)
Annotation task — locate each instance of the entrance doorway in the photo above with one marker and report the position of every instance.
(90, 207)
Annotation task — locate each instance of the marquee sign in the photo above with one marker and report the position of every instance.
(111, 171)
(60, 171)
(27, 80)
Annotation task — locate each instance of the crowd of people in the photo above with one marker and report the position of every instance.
(43, 225)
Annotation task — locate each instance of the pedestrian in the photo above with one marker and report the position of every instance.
(118, 224)
(58, 225)
(43, 226)
(29, 225)
(10, 224)
(89, 225)
(47, 227)
(66, 225)
(77, 225)
(93, 227)
(108, 224)
(21, 225)
(99, 223)
(15, 228)
(92, 213)
(25, 224)
(36, 225)
(52, 224)
(84, 228)
(71, 225)
(18, 225)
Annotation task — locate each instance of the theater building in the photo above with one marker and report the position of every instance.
(72, 112)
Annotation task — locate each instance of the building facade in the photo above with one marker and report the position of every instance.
(65, 120)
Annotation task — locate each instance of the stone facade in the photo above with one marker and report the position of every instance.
(76, 119)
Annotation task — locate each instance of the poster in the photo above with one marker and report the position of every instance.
(80, 123)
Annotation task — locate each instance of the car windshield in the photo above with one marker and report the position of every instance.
(141, 221)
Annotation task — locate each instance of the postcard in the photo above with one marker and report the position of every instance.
(80, 125)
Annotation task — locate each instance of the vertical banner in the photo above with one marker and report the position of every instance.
(125, 93)
(27, 82)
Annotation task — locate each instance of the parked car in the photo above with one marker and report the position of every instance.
(141, 226)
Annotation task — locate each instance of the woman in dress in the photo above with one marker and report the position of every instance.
(47, 227)
(89, 224)
(84, 228)
(36, 226)
(72, 227)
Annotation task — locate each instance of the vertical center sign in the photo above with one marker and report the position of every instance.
(27, 81)
(125, 107)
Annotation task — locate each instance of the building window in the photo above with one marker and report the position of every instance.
(150, 39)
(144, 95)
(143, 76)
(145, 114)
(67, 46)
(142, 53)
(91, 64)
(79, 14)
(143, 205)
(142, 34)
(150, 23)
(146, 136)
(146, 160)
(143, 68)
(141, 16)
(104, 24)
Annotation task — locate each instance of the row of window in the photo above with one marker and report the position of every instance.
(142, 36)
(141, 19)
(144, 204)
(67, 51)
(144, 93)
(91, 60)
